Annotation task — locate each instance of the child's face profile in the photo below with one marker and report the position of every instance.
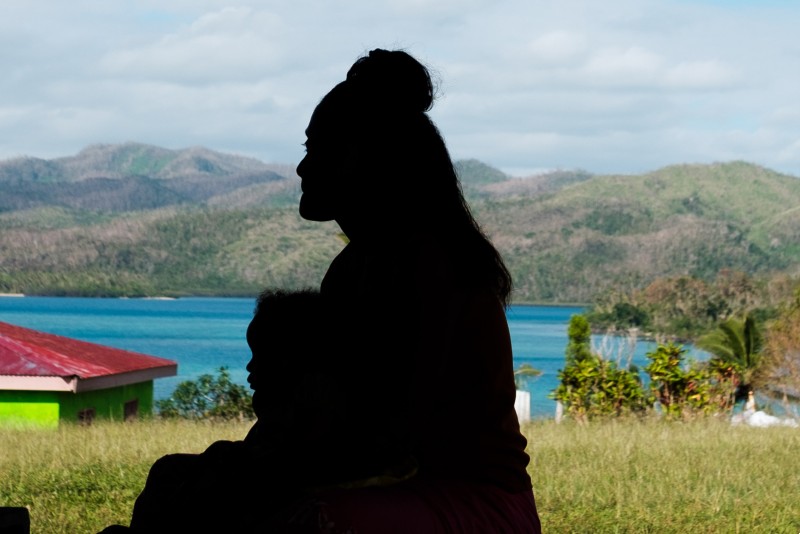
(255, 340)
(273, 346)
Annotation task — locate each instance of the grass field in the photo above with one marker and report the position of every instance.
(623, 476)
(659, 477)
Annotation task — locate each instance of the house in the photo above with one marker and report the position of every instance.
(45, 378)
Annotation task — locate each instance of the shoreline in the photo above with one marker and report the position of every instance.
(552, 304)
(205, 295)
(22, 295)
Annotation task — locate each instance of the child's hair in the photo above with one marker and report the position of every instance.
(287, 302)
(283, 316)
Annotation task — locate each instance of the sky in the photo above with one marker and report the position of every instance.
(619, 86)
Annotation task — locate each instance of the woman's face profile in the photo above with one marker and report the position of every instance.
(321, 171)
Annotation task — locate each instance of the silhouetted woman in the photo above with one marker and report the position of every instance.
(418, 297)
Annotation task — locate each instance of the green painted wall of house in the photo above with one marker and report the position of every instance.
(107, 403)
(29, 408)
(46, 408)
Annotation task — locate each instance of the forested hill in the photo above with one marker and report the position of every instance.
(134, 219)
(133, 177)
(593, 233)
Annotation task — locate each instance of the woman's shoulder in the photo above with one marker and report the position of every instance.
(408, 268)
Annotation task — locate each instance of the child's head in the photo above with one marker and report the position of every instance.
(284, 337)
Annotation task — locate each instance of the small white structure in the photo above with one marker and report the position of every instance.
(522, 405)
(761, 419)
(758, 418)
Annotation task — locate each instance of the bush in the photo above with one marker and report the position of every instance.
(593, 386)
(208, 397)
(687, 391)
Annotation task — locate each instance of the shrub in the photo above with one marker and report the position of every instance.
(208, 397)
(593, 386)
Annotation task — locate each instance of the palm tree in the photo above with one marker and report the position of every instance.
(736, 345)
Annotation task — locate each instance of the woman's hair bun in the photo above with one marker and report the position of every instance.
(392, 79)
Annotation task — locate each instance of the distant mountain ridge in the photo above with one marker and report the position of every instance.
(133, 176)
(137, 219)
(131, 159)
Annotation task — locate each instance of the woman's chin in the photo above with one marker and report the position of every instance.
(313, 211)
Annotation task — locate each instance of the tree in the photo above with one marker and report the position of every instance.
(579, 333)
(208, 397)
(680, 392)
(591, 386)
(685, 391)
(780, 374)
(684, 307)
(736, 349)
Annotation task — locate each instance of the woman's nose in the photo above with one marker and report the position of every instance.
(301, 167)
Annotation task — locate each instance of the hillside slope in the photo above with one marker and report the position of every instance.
(627, 230)
(133, 219)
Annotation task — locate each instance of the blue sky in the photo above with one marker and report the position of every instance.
(620, 86)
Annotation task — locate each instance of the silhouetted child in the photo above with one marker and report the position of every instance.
(302, 411)
(294, 395)
(237, 485)
(300, 444)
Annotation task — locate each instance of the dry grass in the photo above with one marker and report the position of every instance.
(80, 479)
(662, 477)
(624, 476)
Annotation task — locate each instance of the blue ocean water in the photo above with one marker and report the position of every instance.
(203, 334)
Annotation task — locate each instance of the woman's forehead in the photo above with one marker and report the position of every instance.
(334, 108)
(321, 121)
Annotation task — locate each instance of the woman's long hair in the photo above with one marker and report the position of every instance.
(381, 109)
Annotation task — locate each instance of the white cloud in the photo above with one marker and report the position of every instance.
(701, 75)
(786, 116)
(632, 66)
(617, 86)
(233, 44)
(557, 47)
(434, 7)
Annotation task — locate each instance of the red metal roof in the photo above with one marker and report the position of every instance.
(26, 352)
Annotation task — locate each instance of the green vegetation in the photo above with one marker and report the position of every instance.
(208, 397)
(687, 391)
(660, 477)
(660, 253)
(618, 476)
(779, 372)
(587, 237)
(685, 307)
(594, 386)
(751, 328)
(133, 219)
(170, 252)
(736, 345)
(472, 172)
(80, 479)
